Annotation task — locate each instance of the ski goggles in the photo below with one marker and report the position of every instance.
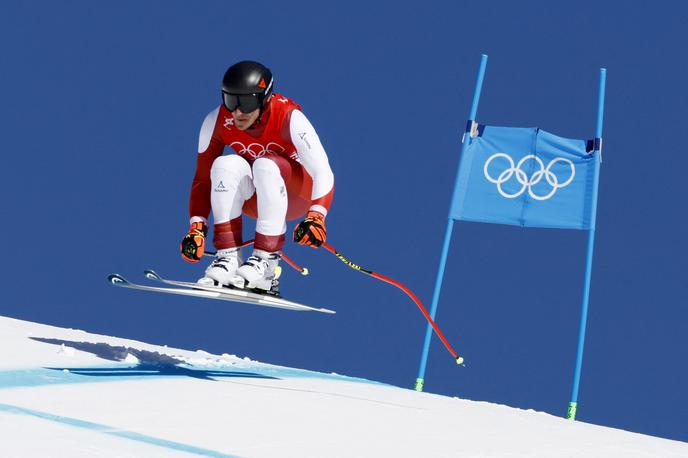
(248, 103)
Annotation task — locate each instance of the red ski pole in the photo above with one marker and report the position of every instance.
(459, 359)
(304, 271)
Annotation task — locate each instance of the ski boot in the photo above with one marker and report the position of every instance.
(223, 268)
(259, 273)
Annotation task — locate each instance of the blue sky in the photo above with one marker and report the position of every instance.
(101, 107)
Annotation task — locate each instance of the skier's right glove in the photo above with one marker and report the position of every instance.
(193, 244)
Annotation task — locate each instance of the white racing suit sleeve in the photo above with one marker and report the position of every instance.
(312, 156)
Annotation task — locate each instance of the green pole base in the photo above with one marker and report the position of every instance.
(571, 414)
(419, 384)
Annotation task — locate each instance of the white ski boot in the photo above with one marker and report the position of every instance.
(222, 269)
(260, 273)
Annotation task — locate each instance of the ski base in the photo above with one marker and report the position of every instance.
(210, 292)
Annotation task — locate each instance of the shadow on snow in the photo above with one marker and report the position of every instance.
(150, 363)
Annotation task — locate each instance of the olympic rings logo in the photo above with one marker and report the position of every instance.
(522, 178)
(256, 150)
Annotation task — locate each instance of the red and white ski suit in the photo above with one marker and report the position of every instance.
(280, 171)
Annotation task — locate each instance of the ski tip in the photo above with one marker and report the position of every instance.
(117, 279)
(331, 312)
(151, 274)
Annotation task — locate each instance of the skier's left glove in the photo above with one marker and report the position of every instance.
(193, 244)
(311, 231)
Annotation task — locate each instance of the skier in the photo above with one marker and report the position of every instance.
(278, 171)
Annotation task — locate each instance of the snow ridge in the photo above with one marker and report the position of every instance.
(89, 395)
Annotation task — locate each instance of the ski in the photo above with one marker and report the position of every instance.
(231, 295)
(153, 275)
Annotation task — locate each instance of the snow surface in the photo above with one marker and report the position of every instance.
(68, 393)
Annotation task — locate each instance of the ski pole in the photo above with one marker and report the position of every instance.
(459, 359)
(301, 270)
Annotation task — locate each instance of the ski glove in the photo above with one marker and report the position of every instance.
(311, 231)
(193, 244)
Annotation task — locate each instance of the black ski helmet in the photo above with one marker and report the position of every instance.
(247, 85)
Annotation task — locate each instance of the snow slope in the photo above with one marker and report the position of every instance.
(68, 393)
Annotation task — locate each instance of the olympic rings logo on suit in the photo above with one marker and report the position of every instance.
(522, 178)
(256, 150)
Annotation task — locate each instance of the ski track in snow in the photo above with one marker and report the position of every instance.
(111, 431)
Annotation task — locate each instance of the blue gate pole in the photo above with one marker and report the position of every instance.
(420, 380)
(573, 405)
